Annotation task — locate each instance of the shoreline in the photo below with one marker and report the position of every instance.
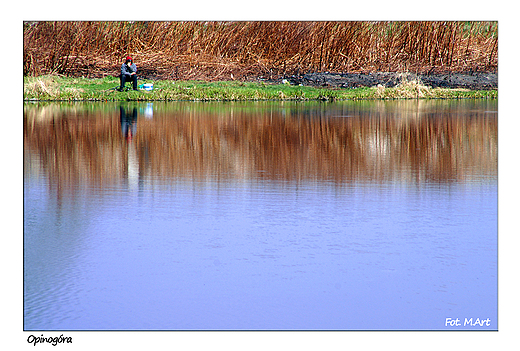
(309, 87)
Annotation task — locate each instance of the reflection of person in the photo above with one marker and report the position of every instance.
(128, 73)
(128, 122)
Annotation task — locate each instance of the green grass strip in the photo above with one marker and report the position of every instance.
(58, 88)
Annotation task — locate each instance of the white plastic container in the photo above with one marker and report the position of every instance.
(148, 86)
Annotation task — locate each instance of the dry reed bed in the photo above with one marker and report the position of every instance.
(273, 146)
(225, 50)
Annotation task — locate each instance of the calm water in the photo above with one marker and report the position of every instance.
(268, 215)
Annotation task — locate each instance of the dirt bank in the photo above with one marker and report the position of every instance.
(469, 80)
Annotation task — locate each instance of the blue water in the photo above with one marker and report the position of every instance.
(177, 252)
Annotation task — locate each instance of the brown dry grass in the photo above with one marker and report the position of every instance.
(227, 50)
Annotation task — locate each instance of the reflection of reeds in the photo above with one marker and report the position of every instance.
(75, 149)
(216, 50)
(401, 144)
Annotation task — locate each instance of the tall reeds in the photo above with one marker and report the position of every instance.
(221, 50)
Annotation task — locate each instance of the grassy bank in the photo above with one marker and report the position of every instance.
(58, 88)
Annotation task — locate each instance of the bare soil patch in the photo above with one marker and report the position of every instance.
(450, 80)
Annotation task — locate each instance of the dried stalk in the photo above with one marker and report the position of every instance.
(257, 48)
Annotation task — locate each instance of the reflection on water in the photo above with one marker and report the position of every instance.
(402, 141)
(128, 121)
(263, 215)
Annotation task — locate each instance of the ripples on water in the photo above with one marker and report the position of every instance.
(290, 216)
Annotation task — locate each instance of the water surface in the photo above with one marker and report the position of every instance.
(260, 216)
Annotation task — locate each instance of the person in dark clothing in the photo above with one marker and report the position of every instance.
(128, 73)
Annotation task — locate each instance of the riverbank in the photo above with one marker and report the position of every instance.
(322, 86)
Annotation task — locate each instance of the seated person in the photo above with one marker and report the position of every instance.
(128, 73)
